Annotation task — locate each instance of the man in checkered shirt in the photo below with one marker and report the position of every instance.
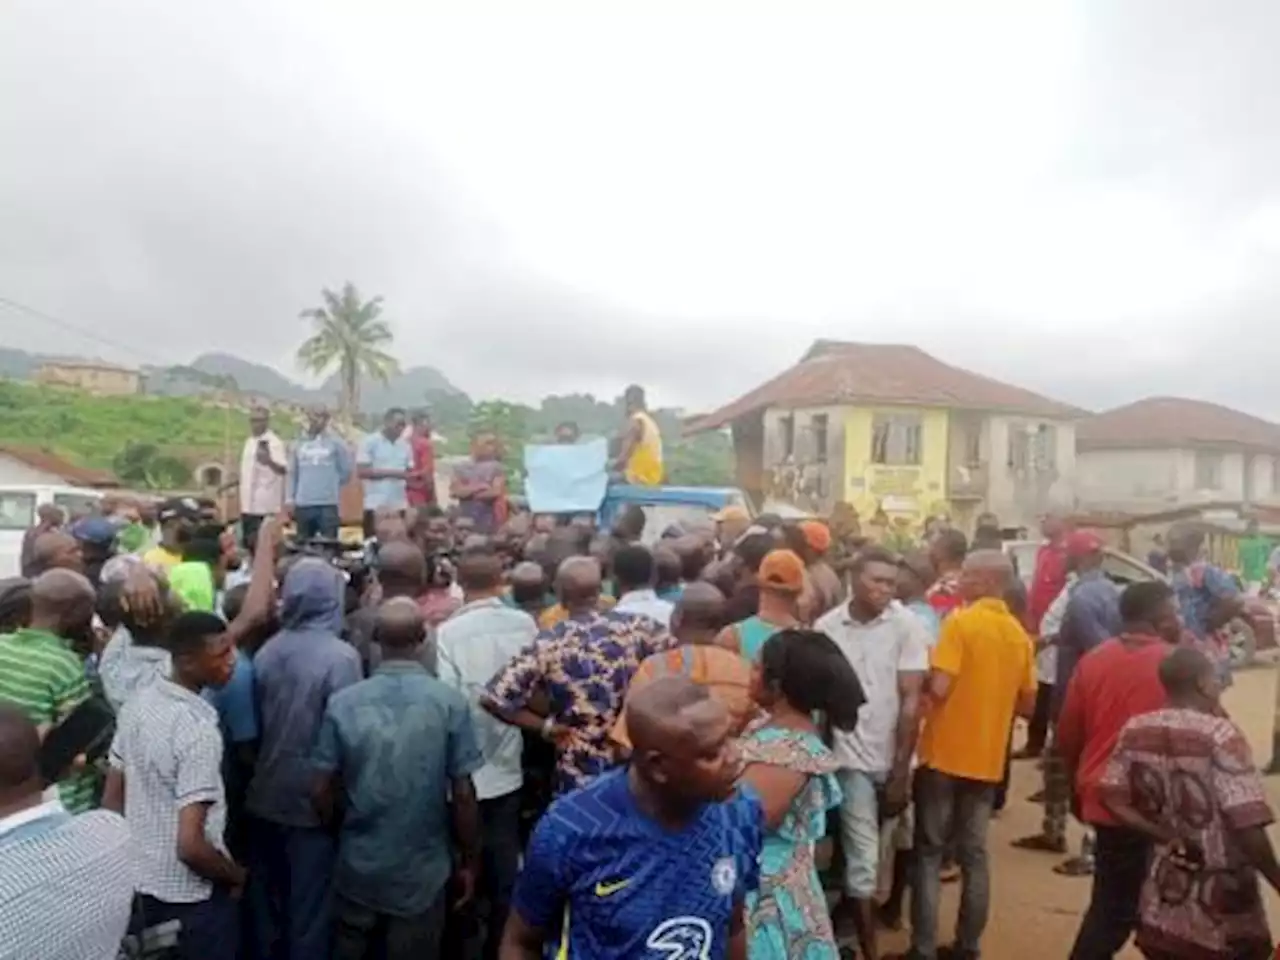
(67, 882)
(166, 777)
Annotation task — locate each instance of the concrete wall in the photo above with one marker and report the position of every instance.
(805, 475)
(1019, 493)
(911, 492)
(1168, 477)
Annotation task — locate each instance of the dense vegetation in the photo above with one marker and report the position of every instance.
(149, 441)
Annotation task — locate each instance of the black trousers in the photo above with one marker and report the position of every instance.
(476, 933)
(1120, 859)
(208, 930)
(1038, 727)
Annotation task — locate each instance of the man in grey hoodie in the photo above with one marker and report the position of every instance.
(319, 467)
(296, 672)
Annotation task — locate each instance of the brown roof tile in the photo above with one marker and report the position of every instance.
(39, 458)
(1176, 422)
(837, 372)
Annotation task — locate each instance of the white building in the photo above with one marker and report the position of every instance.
(1165, 452)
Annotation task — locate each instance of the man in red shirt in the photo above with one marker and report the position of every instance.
(1113, 683)
(947, 551)
(1050, 574)
(421, 489)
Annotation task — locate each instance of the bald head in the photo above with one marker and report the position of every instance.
(578, 582)
(662, 715)
(56, 550)
(56, 590)
(19, 750)
(986, 573)
(399, 626)
(1187, 676)
(402, 568)
(699, 614)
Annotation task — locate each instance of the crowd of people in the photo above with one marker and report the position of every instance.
(524, 736)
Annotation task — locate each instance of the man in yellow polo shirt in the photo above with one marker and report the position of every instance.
(982, 674)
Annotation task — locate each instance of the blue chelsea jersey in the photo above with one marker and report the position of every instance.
(612, 883)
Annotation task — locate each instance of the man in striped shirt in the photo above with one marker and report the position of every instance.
(66, 889)
(41, 673)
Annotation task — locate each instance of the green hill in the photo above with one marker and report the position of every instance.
(142, 438)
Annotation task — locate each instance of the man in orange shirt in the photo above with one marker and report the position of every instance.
(982, 674)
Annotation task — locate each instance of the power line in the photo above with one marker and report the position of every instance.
(73, 328)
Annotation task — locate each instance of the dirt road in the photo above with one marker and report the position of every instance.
(1035, 912)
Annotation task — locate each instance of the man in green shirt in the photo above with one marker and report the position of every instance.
(40, 671)
(1255, 551)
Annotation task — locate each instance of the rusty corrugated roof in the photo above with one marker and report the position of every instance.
(39, 458)
(837, 372)
(1176, 422)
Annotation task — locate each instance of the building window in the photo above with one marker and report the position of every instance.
(787, 429)
(896, 439)
(1045, 447)
(1208, 470)
(971, 445)
(819, 425)
(1019, 448)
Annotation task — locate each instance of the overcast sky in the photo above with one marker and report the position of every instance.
(1082, 198)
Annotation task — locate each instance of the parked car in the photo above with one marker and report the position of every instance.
(1253, 632)
(18, 505)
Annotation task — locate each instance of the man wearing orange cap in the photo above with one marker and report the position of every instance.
(781, 580)
(828, 590)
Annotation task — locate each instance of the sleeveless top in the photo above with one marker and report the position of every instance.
(752, 633)
(644, 467)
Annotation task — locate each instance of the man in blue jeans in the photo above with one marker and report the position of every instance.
(319, 467)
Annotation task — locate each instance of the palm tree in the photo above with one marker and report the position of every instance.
(348, 334)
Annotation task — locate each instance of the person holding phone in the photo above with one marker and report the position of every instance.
(263, 465)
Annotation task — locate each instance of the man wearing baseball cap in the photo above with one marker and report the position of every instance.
(731, 523)
(827, 589)
(177, 516)
(781, 580)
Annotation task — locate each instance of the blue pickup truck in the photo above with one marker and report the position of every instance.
(665, 506)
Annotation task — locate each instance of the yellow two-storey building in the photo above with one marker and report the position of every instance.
(900, 436)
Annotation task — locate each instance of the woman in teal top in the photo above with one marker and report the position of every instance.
(799, 672)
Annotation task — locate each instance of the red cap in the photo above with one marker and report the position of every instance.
(1081, 543)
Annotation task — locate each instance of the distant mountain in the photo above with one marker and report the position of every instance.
(415, 387)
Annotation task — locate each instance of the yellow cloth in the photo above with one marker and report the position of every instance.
(990, 660)
(158, 558)
(644, 467)
(557, 614)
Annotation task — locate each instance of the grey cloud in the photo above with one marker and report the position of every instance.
(186, 180)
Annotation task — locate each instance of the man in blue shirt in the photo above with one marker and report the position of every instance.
(651, 861)
(386, 465)
(319, 467)
(397, 746)
(1092, 613)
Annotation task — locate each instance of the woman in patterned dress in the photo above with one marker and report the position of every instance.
(799, 673)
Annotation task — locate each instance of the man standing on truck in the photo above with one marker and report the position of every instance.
(639, 458)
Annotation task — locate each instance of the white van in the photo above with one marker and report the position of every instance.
(18, 505)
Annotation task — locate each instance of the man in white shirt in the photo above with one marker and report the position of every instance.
(262, 470)
(473, 645)
(888, 647)
(634, 573)
(66, 888)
